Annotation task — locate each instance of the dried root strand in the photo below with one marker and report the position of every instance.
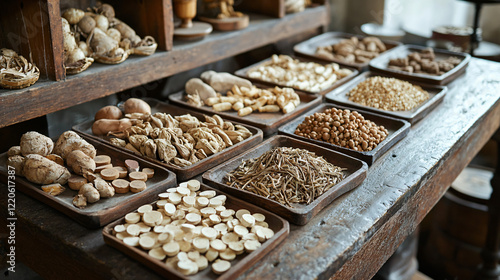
(286, 175)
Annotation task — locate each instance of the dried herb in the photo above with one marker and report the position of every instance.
(286, 175)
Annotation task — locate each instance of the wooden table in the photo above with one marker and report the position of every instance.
(352, 238)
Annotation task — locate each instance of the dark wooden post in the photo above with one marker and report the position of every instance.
(490, 269)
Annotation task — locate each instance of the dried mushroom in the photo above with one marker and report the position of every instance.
(15, 71)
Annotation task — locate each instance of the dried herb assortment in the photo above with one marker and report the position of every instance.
(189, 229)
(353, 50)
(388, 94)
(15, 71)
(290, 72)
(343, 128)
(424, 62)
(286, 175)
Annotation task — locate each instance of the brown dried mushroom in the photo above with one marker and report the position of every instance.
(15, 71)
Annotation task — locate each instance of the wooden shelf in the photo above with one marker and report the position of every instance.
(102, 80)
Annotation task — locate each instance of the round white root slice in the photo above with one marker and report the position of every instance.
(171, 249)
(169, 209)
(150, 172)
(250, 236)
(183, 185)
(221, 197)
(102, 160)
(264, 233)
(187, 228)
(214, 219)
(188, 201)
(179, 215)
(227, 255)
(202, 202)
(172, 190)
(247, 220)
(192, 194)
(262, 224)
(221, 229)
(122, 235)
(134, 230)
(175, 198)
(131, 241)
(144, 228)
(201, 244)
(240, 230)
(209, 233)
(193, 255)
(182, 256)
(193, 185)
(218, 245)
(166, 220)
(207, 211)
(251, 245)
(211, 255)
(146, 242)
(161, 203)
(240, 213)
(164, 196)
(207, 194)
(119, 228)
(137, 186)
(220, 209)
(220, 267)
(157, 253)
(152, 218)
(165, 237)
(184, 191)
(225, 214)
(193, 218)
(230, 225)
(145, 208)
(122, 171)
(202, 263)
(230, 237)
(184, 246)
(187, 267)
(132, 218)
(159, 229)
(268, 233)
(259, 217)
(215, 202)
(237, 247)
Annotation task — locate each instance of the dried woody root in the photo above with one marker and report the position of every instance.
(286, 175)
(15, 71)
(181, 140)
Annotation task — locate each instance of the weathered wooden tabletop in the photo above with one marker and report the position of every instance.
(351, 238)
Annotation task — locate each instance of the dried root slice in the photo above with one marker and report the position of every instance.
(53, 189)
(75, 182)
(137, 186)
(121, 185)
(147, 46)
(220, 266)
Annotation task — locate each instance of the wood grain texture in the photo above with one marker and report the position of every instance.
(353, 236)
(102, 80)
(33, 29)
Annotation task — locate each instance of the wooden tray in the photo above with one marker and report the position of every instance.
(183, 173)
(380, 64)
(242, 262)
(301, 214)
(244, 74)
(398, 129)
(308, 48)
(436, 93)
(106, 209)
(268, 122)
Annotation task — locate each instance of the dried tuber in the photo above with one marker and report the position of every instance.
(80, 163)
(197, 86)
(90, 193)
(35, 143)
(103, 187)
(136, 105)
(222, 82)
(16, 161)
(109, 112)
(105, 126)
(40, 170)
(70, 141)
(14, 151)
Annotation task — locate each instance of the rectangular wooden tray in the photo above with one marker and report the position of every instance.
(244, 74)
(308, 48)
(398, 129)
(380, 64)
(268, 122)
(242, 262)
(301, 214)
(436, 96)
(183, 173)
(106, 209)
